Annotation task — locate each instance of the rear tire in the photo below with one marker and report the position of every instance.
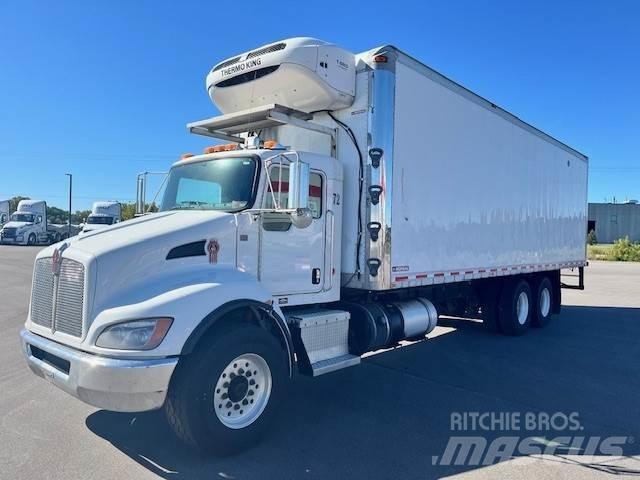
(515, 310)
(543, 306)
(223, 396)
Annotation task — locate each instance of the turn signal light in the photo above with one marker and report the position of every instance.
(184, 156)
(221, 148)
(380, 59)
(269, 144)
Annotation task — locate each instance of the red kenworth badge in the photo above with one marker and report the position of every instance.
(213, 247)
(56, 260)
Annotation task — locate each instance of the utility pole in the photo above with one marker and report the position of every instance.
(70, 190)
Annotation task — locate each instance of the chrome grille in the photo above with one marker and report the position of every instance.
(68, 292)
(42, 293)
(9, 232)
(70, 299)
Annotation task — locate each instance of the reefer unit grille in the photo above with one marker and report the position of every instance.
(57, 302)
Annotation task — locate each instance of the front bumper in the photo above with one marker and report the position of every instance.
(119, 385)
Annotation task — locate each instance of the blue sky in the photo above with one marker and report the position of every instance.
(104, 89)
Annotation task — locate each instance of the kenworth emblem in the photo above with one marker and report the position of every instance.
(56, 260)
(213, 247)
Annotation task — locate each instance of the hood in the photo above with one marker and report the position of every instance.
(17, 224)
(131, 260)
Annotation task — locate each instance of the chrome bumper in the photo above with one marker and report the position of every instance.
(113, 384)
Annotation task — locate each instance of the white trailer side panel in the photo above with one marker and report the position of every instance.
(476, 192)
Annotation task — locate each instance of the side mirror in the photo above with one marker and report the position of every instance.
(38, 219)
(298, 199)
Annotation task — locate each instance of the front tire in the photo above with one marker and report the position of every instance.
(515, 310)
(32, 239)
(224, 395)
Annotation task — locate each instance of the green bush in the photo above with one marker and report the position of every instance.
(591, 238)
(625, 250)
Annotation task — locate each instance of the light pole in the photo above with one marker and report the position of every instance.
(70, 189)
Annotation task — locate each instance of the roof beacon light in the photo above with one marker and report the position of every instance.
(184, 156)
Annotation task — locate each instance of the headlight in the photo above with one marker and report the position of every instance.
(135, 335)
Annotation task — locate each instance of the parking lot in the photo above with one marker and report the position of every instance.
(388, 418)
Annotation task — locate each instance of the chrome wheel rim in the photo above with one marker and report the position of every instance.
(522, 308)
(242, 391)
(545, 302)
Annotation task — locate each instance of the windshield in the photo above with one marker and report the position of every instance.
(22, 217)
(95, 220)
(222, 184)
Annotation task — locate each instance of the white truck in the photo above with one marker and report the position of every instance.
(360, 197)
(102, 215)
(4, 212)
(28, 225)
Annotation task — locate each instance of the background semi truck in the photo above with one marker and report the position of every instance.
(28, 225)
(102, 215)
(4, 212)
(360, 197)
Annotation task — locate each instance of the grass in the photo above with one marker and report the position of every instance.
(601, 251)
(622, 250)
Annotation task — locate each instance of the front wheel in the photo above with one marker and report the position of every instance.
(32, 239)
(225, 394)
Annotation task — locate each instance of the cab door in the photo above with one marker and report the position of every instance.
(292, 259)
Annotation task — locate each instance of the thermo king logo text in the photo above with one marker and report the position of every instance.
(241, 67)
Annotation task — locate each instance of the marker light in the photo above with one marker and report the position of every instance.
(380, 59)
(184, 156)
(269, 144)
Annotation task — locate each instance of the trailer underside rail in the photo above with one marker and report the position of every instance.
(579, 276)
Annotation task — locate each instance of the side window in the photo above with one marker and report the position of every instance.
(280, 182)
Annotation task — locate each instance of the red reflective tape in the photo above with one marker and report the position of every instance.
(422, 275)
(482, 270)
(439, 274)
(401, 279)
(468, 271)
(455, 273)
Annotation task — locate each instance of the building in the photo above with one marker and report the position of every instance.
(612, 221)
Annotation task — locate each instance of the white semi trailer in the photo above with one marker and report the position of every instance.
(29, 225)
(360, 197)
(4, 212)
(102, 215)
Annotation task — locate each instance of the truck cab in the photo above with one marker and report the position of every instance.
(4, 212)
(103, 214)
(27, 225)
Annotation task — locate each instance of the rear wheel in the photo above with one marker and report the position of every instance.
(223, 397)
(543, 305)
(514, 314)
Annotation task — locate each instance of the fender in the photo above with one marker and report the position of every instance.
(220, 312)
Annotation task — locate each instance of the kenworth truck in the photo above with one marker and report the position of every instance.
(357, 198)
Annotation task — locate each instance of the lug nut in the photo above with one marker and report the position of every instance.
(252, 382)
(225, 395)
(244, 402)
(236, 406)
(250, 392)
(228, 405)
(241, 371)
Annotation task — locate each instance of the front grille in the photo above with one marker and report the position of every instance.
(67, 290)
(68, 317)
(9, 232)
(42, 293)
(269, 49)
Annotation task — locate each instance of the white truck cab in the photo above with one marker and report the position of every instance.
(27, 225)
(4, 212)
(328, 228)
(103, 214)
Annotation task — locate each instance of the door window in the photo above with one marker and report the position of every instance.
(280, 182)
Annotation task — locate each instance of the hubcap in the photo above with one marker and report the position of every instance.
(522, 308)
(242, 391)
(545, 302)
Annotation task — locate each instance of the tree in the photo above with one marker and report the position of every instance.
(591, 238)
